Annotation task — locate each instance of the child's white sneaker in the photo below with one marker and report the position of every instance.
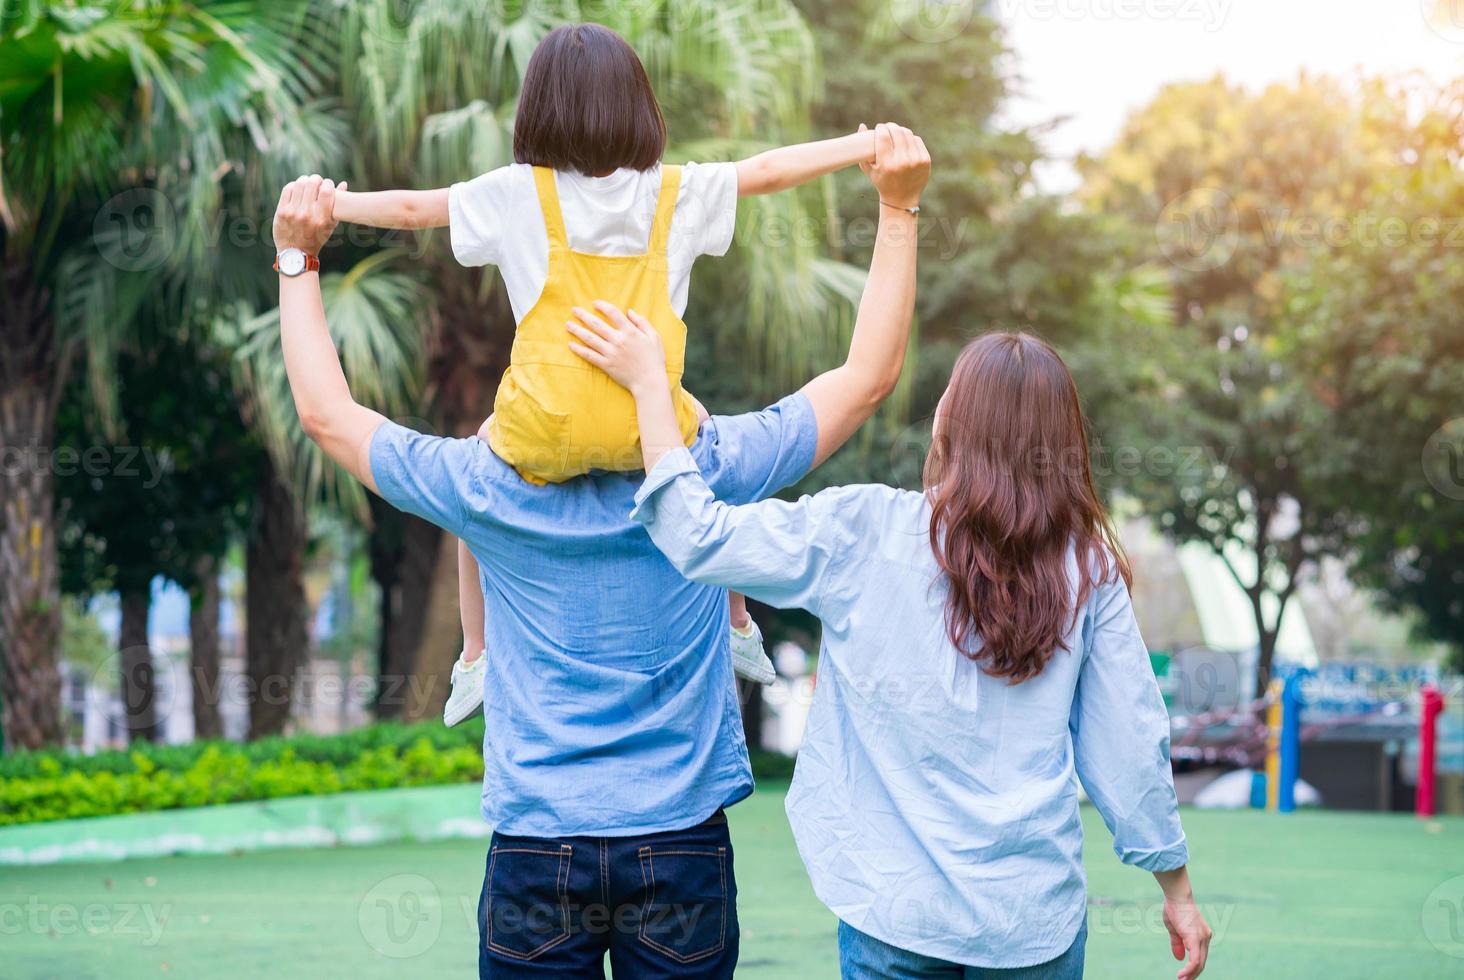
(467, 691)
(748, 658)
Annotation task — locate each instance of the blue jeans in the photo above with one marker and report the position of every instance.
(863, 957)
(662, 906)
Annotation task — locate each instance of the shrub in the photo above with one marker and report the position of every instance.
(54, 785)
(61, 785)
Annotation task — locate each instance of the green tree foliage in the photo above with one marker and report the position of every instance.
(1380, 338)
(1243, 427)
(145, 98)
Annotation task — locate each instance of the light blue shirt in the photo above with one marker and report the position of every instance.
(609, 699)
(934, 805)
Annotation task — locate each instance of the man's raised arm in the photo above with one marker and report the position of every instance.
(843, 399)
(330, 416)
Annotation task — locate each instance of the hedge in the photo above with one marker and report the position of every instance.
(57, 785)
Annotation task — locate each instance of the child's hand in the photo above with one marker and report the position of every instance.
(901, 165)
(627, 347)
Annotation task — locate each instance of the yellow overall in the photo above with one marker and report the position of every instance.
(556, 416)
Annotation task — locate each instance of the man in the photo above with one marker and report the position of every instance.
(613, 740)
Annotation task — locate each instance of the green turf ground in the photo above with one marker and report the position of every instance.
(1310, 895)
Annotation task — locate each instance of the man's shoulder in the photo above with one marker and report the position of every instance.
(754, 454)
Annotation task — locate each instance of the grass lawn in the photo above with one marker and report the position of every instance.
(1321, 895)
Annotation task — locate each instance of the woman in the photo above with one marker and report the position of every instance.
(979, 648)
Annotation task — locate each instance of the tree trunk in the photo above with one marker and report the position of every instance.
(139, 676)
(30, 606)
(1266, 654)
(441, 638)
(403, 553)
(203, 651)
(276, 633)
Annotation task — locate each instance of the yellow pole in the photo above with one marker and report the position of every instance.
(1273, 748)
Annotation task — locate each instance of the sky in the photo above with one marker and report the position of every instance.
(1095, 61)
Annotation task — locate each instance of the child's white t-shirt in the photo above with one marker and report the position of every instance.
(495, 219)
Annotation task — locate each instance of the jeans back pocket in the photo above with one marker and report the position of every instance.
(685, 912)
(528, 901)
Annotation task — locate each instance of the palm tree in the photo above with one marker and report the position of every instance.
(140, 96)
(430, 89)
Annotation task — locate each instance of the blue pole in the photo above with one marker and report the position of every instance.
(1291, 705)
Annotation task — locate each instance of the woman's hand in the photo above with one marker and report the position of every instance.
(1189, 933)
(626, 347)
(901, 165)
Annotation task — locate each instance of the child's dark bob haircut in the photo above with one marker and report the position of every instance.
(587, 105)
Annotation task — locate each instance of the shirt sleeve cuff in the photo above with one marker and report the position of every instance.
(675, 463)
(1164, 859)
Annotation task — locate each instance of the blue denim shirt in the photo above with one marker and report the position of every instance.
(935, 806)
(609, 698)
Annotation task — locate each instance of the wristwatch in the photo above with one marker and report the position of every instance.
(293, 262)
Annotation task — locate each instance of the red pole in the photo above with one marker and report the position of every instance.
(1433, 706)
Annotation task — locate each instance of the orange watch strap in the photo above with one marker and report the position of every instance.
(312, 263)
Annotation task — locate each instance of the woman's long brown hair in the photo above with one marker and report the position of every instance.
(1011, 491)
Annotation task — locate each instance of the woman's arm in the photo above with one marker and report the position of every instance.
(843, 399)
(788, 166)
(393, 209)
(778, 553)
(1120, 735)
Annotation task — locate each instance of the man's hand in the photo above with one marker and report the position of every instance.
(901, 165)
(305, 217)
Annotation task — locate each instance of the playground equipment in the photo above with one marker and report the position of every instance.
(1283, 755)
(1355, 720)
(1428, 740)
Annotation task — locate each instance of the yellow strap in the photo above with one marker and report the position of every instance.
(549, 204)
(665, 207)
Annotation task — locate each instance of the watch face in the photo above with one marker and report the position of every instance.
(292, 261)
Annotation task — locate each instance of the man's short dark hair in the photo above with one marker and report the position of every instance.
(587, 105)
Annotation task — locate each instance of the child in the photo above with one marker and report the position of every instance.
(587, 212)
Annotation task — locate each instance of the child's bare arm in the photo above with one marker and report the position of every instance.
(788, 166)
(393, 209)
